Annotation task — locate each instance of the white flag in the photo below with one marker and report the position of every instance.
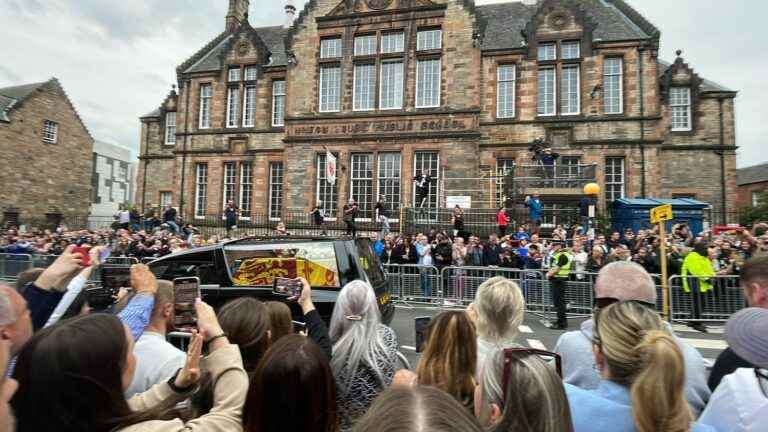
(330, 168)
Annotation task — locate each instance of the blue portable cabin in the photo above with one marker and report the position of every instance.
(636, 213)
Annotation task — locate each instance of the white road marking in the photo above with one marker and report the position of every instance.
(525, 329)
(707, 343)
(409, 348)
(535, 343)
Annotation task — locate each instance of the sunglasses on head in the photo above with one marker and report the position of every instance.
(604, 302)
(514, 354)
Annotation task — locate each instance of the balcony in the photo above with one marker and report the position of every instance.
(559, 179)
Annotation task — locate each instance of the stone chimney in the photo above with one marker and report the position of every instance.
(290, 13)
(237, 14)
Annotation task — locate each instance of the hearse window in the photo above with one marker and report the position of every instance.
(370, 262)
(259, 265)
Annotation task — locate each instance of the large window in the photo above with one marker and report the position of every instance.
(170, 128)
(757, 198)
(614, 178)
(50, 131)
(547, 91)
(229, 184)
(250, 73)
(362, 182)
(569, 166)
(547, 52)
(278, 103)
(391, 85)
(330, 48)
(330, 88)
(365, 87)
(201, 189)
(392, 42)
(569, 91)
(234, 74)
(428, 83)
(233, 106)
(246, 189)
(206, 92)
(389, 180)
(249, 106)
(275, 190)
(571, 50)
(613, 83)
(326, 192)
(166, 197)
(429, 162)
(365, 45)
(504, 167)
(429, 40)
(680, 102)
(505, 91)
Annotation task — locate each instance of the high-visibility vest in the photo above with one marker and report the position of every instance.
(564, 270)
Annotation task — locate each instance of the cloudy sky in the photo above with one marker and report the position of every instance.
(117, 58)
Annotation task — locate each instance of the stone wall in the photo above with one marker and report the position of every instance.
(36, 176)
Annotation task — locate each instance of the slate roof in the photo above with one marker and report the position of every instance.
(209, 58)
(12, 96)
(753, 174)
(706, 85)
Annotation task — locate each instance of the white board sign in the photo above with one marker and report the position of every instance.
(464, 202)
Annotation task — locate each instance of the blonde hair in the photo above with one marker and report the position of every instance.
(641, 354)
(500, 310)
(450, 356)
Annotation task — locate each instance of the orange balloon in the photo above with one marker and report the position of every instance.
(592, 189)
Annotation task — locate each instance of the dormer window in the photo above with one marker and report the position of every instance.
(547, 52)
(680, 104)
(250, 73)
(330, 48)
(234, 74)
(571, 50)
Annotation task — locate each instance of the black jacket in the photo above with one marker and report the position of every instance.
(492, 254)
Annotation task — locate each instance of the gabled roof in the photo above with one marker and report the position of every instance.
(11, 97)
(707, 86)
(209, 58)
(753, 174)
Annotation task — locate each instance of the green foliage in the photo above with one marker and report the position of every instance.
(752, 214)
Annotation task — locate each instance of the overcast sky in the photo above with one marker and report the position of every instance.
(117, 59)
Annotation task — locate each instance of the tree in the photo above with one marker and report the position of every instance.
(759, 213)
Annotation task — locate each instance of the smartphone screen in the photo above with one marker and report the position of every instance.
(114, 278)
(287, 287)
(420, 325)
(186, 291)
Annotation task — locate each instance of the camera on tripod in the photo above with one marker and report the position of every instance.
(537, 148)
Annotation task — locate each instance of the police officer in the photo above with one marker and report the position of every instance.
(558, 275)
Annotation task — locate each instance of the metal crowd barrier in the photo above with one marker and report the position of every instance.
(11, 265)
(457, 286)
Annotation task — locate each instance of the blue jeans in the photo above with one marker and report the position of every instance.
(172, 225)
(426, 287)
(384, 226)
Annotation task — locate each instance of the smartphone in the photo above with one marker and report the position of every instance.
(287, 287)
(186, 290)
(84, 251)
(99, 298)
(421, 324)
(299, 326)
(114, 278)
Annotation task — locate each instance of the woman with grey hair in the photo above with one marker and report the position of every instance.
(498, 311)
(364, 351)
(521, 392)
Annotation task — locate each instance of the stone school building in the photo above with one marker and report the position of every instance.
(393, 88)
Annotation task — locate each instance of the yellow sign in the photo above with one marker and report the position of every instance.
(661, 213)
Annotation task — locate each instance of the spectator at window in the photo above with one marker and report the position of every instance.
(417, 409)
(642, 375)
(531, 399)
(449, 358)
(754, 283)
(156, 359)
(625, 282)
(740, 402)
(498, 311)
(364, 351)
(292, 390)
(60, 360)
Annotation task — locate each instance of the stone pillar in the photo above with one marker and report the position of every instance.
(53, 218)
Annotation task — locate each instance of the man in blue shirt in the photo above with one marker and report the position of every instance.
(535, 211)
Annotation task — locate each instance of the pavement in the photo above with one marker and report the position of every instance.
(535, 335)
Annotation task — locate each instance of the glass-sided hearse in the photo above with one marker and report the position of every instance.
(248, 267)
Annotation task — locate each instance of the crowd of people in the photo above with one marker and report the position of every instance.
(70, 369)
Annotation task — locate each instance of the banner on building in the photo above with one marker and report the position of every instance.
(330, 168)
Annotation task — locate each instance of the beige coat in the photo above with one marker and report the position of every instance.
(230, 389)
